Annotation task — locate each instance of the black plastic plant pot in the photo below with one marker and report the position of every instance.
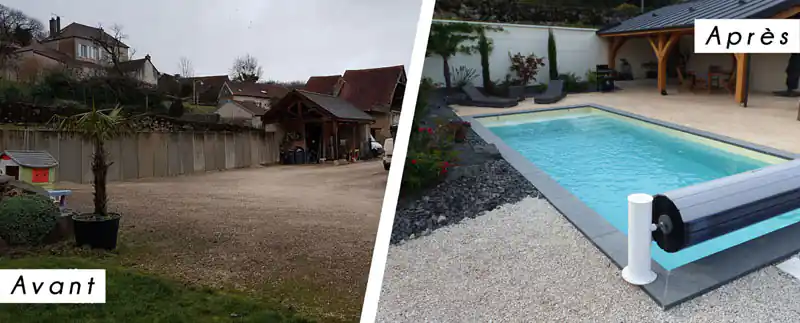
(98, 232)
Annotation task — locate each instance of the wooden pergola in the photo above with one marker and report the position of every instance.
(663, 33)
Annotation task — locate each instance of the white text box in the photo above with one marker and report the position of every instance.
(52, 286)
(746, 36)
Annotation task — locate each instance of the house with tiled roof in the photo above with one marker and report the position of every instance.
(263, 94)
(322, 84)
(376, 91)
(235, 111)
(80, 47)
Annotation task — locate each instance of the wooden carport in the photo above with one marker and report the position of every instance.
(336, 117)
(664, 27)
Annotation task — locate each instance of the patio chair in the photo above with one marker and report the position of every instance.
(554, 93)
(476, 98)
(517, 92)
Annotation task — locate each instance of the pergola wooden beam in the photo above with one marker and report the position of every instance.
(787, 13)
(741, 79)
(662, 44)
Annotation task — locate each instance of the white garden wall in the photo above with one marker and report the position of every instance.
(579, 50)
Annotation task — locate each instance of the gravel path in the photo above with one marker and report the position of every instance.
(525, 262)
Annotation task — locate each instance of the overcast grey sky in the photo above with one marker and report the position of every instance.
(292, 39)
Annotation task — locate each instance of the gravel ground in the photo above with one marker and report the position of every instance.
(525, 262)
(303, 234)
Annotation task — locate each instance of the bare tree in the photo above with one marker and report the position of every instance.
(111, 44)
(185, 67)
(289, 85)
(246, 69)
(16, 30)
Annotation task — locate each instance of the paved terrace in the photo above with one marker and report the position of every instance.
(768, 120)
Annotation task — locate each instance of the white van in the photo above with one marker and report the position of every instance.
(388, 147)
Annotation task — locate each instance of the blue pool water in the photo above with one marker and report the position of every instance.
(602, 159)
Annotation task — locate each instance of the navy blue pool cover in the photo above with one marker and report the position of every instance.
(697, 213)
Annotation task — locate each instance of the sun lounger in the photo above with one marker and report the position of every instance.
(476, 98)
(554, 93)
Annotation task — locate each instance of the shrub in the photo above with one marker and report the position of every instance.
(463, 75)
(429, 156)
(26, 219)
(526, 67)
(176, 108)
(573, 83)
(430, 151)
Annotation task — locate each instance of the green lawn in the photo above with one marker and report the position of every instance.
(199, 108)
(132, 296)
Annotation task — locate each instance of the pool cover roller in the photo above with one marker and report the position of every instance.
(687, 216)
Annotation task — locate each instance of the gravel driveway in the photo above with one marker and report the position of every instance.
(524, 262)
(303, 234)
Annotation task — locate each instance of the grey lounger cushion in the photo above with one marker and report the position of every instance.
(554, 93)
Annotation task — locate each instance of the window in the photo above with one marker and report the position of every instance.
(95, 53)
(84, 51)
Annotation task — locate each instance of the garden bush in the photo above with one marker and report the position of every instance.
(429, 156)
(430, 149)
(573, 83)
(27, 219)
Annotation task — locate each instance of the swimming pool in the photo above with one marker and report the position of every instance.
(602, 157)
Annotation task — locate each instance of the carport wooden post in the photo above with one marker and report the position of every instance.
(614, 44)
(355, 140)
(741, 77)
(335, 140)
(324, 137)
(662, 46)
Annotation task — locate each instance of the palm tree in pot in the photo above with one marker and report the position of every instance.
(100, 228)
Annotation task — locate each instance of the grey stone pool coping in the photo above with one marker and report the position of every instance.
(672, 287)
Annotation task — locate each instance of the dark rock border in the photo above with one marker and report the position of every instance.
(481, 181)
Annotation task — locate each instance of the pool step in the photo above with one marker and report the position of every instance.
(791, 266)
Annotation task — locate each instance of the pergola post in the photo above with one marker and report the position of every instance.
(741, 79)
(662, 46)
(614, 44)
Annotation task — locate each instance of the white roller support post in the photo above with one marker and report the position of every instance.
(638, 270)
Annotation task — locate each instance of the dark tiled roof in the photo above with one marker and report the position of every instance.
(682, 15)
(132, 65)
(56, 55)
(32, 158)
(334, 107)
(251, 107)
(373, 88)
(258, 90)
(338, 107)
(83, 31)
(321, 84)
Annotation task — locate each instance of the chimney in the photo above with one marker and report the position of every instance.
(52, 29)
(58, 24)
(147, 57)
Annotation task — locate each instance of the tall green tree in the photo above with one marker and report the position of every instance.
(449, 39)
(552, 55)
